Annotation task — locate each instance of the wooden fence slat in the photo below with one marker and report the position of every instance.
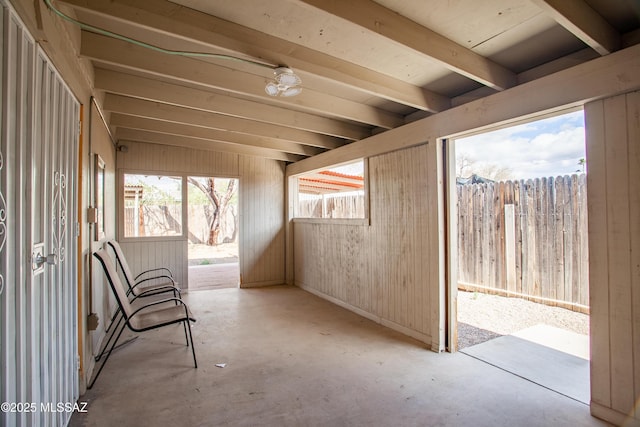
(510, 247)
(557, 284)
(548, 233)
(470, 230)
(567, 238)
(517, 210)
(501, 257)
(537, 234)
(495, 213)
(572, 229)
(583, 243)
(475, 232)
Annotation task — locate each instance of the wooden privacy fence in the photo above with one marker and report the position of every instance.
(152, 221)
(332, 206)
(526, 238)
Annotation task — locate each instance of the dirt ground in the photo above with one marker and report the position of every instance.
(219, 254)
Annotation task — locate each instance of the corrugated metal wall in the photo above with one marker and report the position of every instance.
(38, 146)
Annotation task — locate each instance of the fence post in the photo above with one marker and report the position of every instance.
(510, 245)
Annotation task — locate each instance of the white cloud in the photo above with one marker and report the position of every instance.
(552, 152)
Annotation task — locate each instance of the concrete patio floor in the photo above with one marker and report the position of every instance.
(293, 359)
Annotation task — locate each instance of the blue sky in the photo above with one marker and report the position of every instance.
(544, 148)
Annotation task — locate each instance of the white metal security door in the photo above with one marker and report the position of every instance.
(38, 149)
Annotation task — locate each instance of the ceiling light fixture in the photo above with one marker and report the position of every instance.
(286, 83)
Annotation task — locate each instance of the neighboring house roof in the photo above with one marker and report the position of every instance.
(473, 179)
(329, 182)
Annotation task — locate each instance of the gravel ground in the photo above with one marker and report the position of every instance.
(482, 317)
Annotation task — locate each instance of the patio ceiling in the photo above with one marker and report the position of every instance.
(366, 67)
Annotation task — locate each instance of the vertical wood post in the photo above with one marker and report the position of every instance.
(510, 245)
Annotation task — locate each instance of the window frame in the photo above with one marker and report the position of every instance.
(294, 194)
(121, 206)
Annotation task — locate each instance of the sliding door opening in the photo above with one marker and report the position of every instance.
(213, 220)
(520, 251)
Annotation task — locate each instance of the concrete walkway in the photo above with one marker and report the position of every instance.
(550, 357)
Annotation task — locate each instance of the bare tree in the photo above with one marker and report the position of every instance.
(219, 202)
(465, 167)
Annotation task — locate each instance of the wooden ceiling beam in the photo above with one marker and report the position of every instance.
(193, 26)
(582, 21)
(155, 90)
(139, 123)
(172, 113)
(409, 34)
(123, 135)
(116, 52)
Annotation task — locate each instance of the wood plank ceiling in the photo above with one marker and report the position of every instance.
(366, 67)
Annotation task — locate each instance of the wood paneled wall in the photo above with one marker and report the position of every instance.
(145, 255)
(386, 270)
(262, 214)
(613, 156)
(261, 194)
(180, 160)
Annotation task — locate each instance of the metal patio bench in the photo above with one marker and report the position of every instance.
(142, 318)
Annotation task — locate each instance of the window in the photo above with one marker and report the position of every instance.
(337, 192)
(152, 205)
